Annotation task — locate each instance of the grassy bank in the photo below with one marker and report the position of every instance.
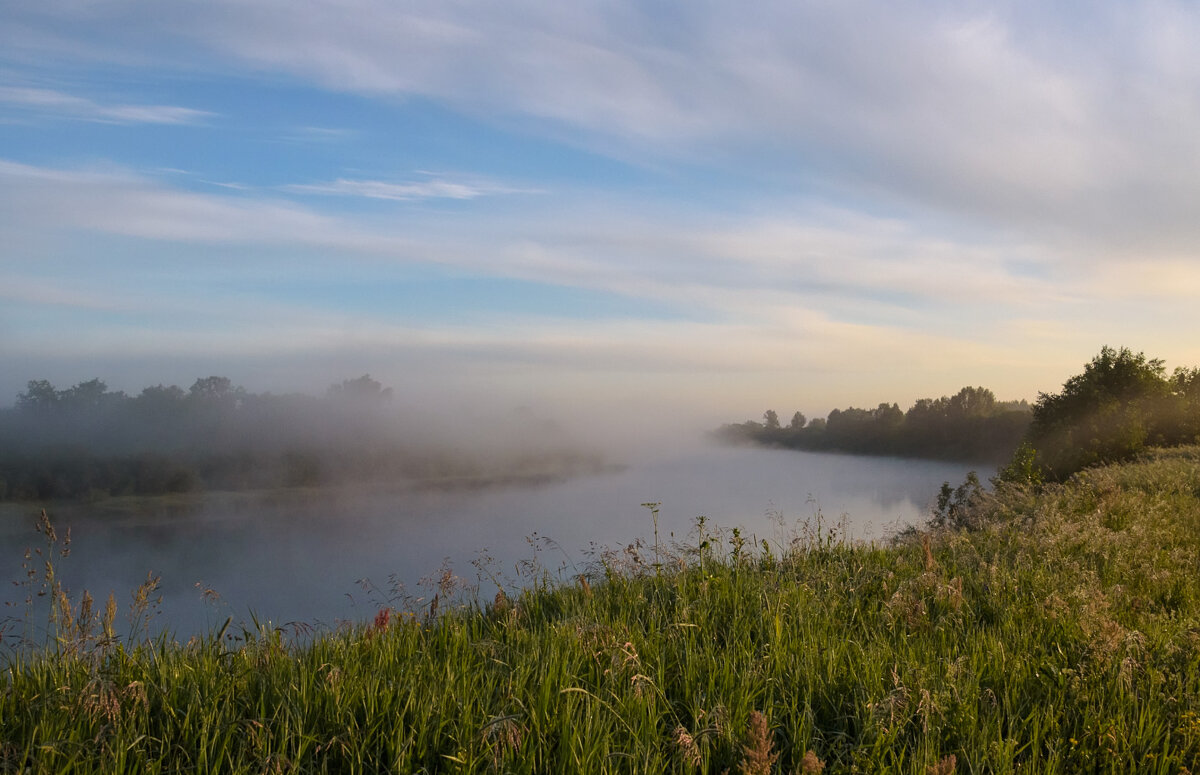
(1060, 634)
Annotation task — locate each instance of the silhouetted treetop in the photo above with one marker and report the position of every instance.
(970, 425)
(362, 390)
(1121, 403)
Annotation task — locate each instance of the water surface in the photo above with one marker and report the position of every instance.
(324, 558)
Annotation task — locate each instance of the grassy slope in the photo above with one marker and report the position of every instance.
(1063, 636)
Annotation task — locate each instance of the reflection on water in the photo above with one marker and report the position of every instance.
(304, 560)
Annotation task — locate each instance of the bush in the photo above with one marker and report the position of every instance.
(1121, 404)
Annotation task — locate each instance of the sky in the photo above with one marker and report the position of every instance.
(678, 213)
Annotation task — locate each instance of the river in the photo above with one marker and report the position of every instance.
(334, 557)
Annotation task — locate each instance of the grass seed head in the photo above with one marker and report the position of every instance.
(810, 764)
(688, 750)
(759, 757)
(504, 736)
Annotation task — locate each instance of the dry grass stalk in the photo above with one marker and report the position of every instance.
(504, 737)
(688, 749)
(759, 756)
(944, 767)
(811, 765)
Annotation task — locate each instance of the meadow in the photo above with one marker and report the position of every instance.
(1033, 629)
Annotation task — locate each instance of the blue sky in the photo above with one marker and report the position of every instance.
(678, 210)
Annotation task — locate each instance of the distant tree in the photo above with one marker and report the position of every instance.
(362, 390)
(160, 398)
(39, 397)
(888, 417)
(972, 402)
(88, 395)
(211, 388)
(971, 425)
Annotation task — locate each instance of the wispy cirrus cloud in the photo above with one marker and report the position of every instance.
(433, 188)
(50, 101)
(1022, 115)
(761, 271)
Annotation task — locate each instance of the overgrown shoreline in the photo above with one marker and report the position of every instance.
(1060, 633)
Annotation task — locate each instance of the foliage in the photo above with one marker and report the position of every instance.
(86, 442)
(970, 425)
(1022, 468)
(957, 507)
(1121, 404)
(1060, 635)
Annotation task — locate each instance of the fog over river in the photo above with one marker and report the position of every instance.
(304, 559)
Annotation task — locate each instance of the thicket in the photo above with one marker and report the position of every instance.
(1121, 404)
(970, 425)
(1060, 634)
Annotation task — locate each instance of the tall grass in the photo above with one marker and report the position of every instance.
(1060, 634)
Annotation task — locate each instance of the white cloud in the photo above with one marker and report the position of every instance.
(118, 201)
(1024, 116)
(403, 192)
(1012, 115)
(61, 103)
(754, 268)
(40, 292)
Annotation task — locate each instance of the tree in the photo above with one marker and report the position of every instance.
(85, 395)
(211, 388)
(39, 397)
(797, 422)
(771, 420)
(1105, 414)
(161, 398)
(972, 402)
(1112, 377)
(1184, 410)
(362, 390)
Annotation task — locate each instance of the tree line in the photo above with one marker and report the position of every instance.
(1121, 404)
(970, 425)
(87, 441)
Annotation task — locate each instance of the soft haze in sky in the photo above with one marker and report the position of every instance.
(692, 211)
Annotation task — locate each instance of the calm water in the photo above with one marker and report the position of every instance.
(306, 562)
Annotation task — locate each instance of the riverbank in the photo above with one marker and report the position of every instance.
(1060, 634)
(232, 501)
